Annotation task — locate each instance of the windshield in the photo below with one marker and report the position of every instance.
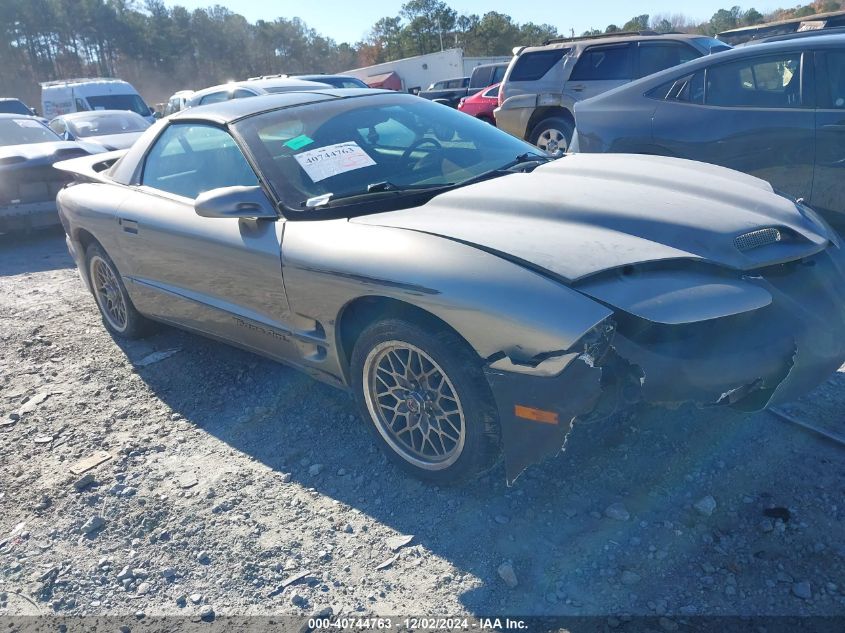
(13, 106)
(24, 132)
(119, 102)
(101, 124)
(344, 147)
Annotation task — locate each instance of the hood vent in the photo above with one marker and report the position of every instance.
(756, 239)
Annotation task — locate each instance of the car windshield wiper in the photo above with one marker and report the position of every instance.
(374, 190)
(386, 188)
(386, 185)
(522, 163)
(526, 159)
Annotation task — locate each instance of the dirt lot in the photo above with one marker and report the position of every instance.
(240, 486)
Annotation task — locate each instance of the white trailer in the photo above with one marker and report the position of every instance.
(418, 73)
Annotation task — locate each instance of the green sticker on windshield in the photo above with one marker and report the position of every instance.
(299, 142)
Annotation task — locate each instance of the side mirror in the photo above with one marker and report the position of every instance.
(235, 202)
(156, 115)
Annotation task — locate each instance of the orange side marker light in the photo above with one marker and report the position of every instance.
(535, 415)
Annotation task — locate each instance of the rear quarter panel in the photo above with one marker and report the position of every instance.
(92, 208)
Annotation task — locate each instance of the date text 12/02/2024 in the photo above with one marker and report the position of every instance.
(415, 623)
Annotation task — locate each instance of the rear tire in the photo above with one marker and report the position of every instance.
(119, 314)
(552, 134)
(426, 400)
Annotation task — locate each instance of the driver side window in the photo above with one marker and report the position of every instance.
(189, 159)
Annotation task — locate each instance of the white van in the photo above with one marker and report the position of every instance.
(78, 95)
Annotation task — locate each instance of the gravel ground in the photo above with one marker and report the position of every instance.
(235, 485)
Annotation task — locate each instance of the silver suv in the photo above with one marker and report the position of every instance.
(538, 93)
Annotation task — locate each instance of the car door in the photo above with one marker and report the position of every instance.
(221, 276)
(600, 68)
(829, 176)
(754, 115)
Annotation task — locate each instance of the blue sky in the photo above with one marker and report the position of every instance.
(349, 20)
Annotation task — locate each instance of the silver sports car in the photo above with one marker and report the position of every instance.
(476, 296)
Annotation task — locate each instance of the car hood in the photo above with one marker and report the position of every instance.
(584, 214)
(43, 153)
(111, 142)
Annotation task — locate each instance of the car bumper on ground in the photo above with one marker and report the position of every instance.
(748, 361)
(28, 216)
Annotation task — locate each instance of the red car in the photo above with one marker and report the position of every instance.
(481, 104)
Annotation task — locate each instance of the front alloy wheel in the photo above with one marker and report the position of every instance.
(414, 405)
(429, 405)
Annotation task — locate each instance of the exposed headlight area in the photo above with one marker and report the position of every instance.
(594, 345)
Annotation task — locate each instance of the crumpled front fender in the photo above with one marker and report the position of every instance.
(771, 353)
(576, 392)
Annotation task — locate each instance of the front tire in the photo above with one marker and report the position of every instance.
(119, 314)
(552, 134)
(428, 404)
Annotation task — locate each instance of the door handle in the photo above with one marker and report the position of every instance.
(834, 126)
(129, 226)
(578, 88)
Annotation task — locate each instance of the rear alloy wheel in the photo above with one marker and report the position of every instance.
(552, 135)
(426, 398)
(119, 315)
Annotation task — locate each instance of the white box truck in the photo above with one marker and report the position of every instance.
(77, 95)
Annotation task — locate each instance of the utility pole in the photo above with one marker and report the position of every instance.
(440, 30)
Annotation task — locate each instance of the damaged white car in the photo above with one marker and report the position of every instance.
(475, 295)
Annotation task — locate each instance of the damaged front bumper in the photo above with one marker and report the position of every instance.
(749, 360)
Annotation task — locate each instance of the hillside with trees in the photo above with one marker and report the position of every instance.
(162, 49)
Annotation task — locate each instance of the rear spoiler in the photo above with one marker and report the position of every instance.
(90, 168)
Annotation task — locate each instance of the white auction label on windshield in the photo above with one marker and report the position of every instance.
(332, 160)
